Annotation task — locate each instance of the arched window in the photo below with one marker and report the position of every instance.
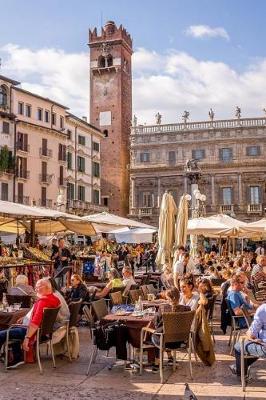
(3, 95)
(109, 60)
(105, 132)
(101, 62)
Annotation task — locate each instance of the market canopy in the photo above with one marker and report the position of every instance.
(135, 235)
(106, 222)
(15, 218)
(205, 226)
(234, 227)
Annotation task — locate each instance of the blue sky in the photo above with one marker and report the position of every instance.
(158, 27)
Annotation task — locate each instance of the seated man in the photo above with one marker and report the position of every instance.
(258, 273)
(237, 299)
(256, 343)
(22, 287)
(46, 299)
(128, 279)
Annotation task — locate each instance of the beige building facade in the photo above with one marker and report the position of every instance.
(35, 137)
(230, 155)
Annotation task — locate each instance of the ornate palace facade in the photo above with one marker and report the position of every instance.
(229, 153)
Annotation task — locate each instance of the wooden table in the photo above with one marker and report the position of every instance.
(155, 303)
(134, 325)
(10, 317)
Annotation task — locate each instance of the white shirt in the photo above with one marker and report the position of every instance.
(178, 267)
(192, 303)
(259, 251)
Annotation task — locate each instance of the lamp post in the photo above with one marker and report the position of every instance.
(198, 199)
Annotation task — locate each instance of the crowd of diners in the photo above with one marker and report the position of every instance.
(185, 284)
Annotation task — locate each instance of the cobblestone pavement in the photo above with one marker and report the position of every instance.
(69, 381)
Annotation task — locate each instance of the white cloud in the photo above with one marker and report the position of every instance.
(63, 77)
(203, 31)
(170, 83)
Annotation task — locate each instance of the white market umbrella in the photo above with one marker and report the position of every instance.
(106, 222)
(204, 226)
(166, 232)
(181, 222)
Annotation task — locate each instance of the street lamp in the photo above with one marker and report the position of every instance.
(198, 206)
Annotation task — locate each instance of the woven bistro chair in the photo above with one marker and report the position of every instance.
(116, 298)
(134, 295)
(176, 329)
(145, 291)
(152, 289)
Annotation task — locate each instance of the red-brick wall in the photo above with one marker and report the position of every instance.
(111, 90)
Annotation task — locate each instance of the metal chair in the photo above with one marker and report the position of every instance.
(45, 333)
(235, 327)
(74, 309)
(24, 300)
(209, 313)
(243, 356)
(99, 308)
(176, 329)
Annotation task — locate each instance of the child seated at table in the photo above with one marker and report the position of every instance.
(172, 296)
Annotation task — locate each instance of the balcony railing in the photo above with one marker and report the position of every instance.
(48, 203)
(142, 211)
(226, 208)
(196, 126)
(46, 178)
(23, 147)
(255, 208)
(85, 206)
(23, 174)
(22, 200)
(44, 152)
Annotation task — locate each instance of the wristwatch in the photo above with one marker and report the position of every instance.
(27, 337)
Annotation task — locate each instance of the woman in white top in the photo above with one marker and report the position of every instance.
(188, 297)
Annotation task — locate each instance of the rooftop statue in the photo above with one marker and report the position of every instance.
(238, 112)
(185, 116)
(211, 114)
(158, 118)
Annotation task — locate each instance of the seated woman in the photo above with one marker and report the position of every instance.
(22, 287)
(115, 281)
(172, 296)
(78, 290)
(188, 297)
(167, 278)
(205, 291)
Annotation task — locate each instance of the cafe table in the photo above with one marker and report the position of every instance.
(8, 318)
(133, 323)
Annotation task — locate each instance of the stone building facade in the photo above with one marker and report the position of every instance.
(111, 110)
(230, 155)
(36, 138)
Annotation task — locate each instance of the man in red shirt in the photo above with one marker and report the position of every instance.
(46, 299)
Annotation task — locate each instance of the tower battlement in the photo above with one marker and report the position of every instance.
(110, 32)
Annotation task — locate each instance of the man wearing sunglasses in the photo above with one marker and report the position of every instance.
(237, 299)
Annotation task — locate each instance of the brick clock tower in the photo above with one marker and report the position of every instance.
(111, 110)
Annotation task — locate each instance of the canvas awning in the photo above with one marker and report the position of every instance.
(106, 222)
(15, 218)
